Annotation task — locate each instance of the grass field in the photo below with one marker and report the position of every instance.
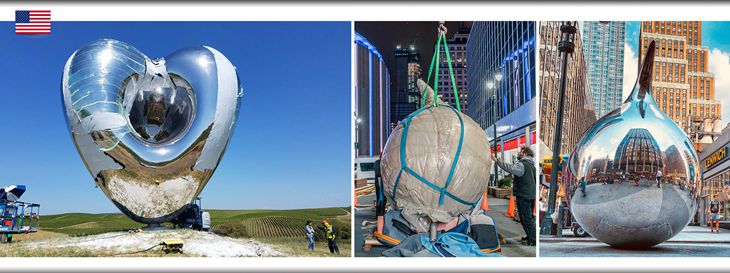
(283, 229)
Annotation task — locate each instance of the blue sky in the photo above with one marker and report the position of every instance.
(715, 35)
(291, 145)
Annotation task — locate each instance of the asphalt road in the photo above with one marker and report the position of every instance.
(693, 241)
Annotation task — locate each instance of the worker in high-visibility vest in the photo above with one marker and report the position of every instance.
(330, 233)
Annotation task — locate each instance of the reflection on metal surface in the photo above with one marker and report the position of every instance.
(151, 132)
(635, 172)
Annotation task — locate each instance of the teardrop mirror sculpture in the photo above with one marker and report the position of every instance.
(635, 172)
(151, 132)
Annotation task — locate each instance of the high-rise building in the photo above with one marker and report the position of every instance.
(506, 49)
(578, 113)
(372, 97)
(683, 86)
(603, 48)
(406, 98)
(457, 51)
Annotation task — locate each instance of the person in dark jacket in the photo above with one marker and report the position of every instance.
(523, 188)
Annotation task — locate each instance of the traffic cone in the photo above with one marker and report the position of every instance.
(356, 203)
(511, 207)
(485, 202)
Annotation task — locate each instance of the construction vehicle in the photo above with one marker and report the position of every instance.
(16, 217)
(193, 217)
(172, 246)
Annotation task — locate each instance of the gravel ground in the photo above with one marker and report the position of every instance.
(196, 243)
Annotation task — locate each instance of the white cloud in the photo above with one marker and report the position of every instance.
(720, 66)
(631, 70)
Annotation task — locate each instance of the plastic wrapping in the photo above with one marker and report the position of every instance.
(432, 141)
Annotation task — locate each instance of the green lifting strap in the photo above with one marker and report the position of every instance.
(451, 73)
(435, 61)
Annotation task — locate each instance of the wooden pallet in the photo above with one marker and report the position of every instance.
(365, 190)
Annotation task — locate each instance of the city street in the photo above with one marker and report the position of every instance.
(508, 228)
(693, 241)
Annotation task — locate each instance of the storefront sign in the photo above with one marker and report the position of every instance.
(716, 157)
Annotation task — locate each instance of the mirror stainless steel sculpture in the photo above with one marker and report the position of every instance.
(636, 174)
(151, 132)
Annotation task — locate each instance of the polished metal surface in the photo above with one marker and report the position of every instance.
(636, 174)
(151, 132)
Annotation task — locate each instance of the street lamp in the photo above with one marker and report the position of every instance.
(358, 120)
(566, 47)
(498, 78)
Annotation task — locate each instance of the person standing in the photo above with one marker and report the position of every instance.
(310, 235)
(658, 178)
(715, 216)
(523, 189)
(331, 234)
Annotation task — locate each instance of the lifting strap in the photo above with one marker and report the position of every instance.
(435, 62)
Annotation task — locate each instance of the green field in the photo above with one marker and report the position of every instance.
(246, 223)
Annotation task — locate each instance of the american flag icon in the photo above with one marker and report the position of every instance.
(32, 22)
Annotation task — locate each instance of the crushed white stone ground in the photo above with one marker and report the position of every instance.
(196, 243)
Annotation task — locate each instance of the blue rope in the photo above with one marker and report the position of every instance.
(443, 192)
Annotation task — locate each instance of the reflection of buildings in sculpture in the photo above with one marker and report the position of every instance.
(598, 167)
(457, 51)
(684, 87)
(578, 113)
(638, 153)
(674, 165)
(372, 88)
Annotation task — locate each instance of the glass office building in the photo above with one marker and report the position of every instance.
(603, 49)
(372, 98)
(507, 49)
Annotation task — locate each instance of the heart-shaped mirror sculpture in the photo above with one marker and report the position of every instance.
(637, 174)
(151, 132)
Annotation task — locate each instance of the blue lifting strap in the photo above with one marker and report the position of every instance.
(404, 138)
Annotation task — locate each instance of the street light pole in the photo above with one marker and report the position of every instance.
(494, 126)
(357, 135)
(566, 47)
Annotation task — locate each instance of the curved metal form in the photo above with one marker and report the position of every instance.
(151, 132)
(636, 173)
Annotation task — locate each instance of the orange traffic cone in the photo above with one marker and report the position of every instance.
(356, 203)
(485, 202)
(511, 207)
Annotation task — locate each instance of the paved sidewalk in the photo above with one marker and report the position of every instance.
(692, 241)
(690, 234)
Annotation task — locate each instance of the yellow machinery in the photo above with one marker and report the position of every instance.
(172, 245)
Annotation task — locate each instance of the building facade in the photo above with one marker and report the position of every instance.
(683, 86)
(603, 48)
(578, 112)
(372, 97)
(405, 98)
(715, 177)
(508, 49)
(457, 51)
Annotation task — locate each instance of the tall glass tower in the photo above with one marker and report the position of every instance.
(603, 50)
